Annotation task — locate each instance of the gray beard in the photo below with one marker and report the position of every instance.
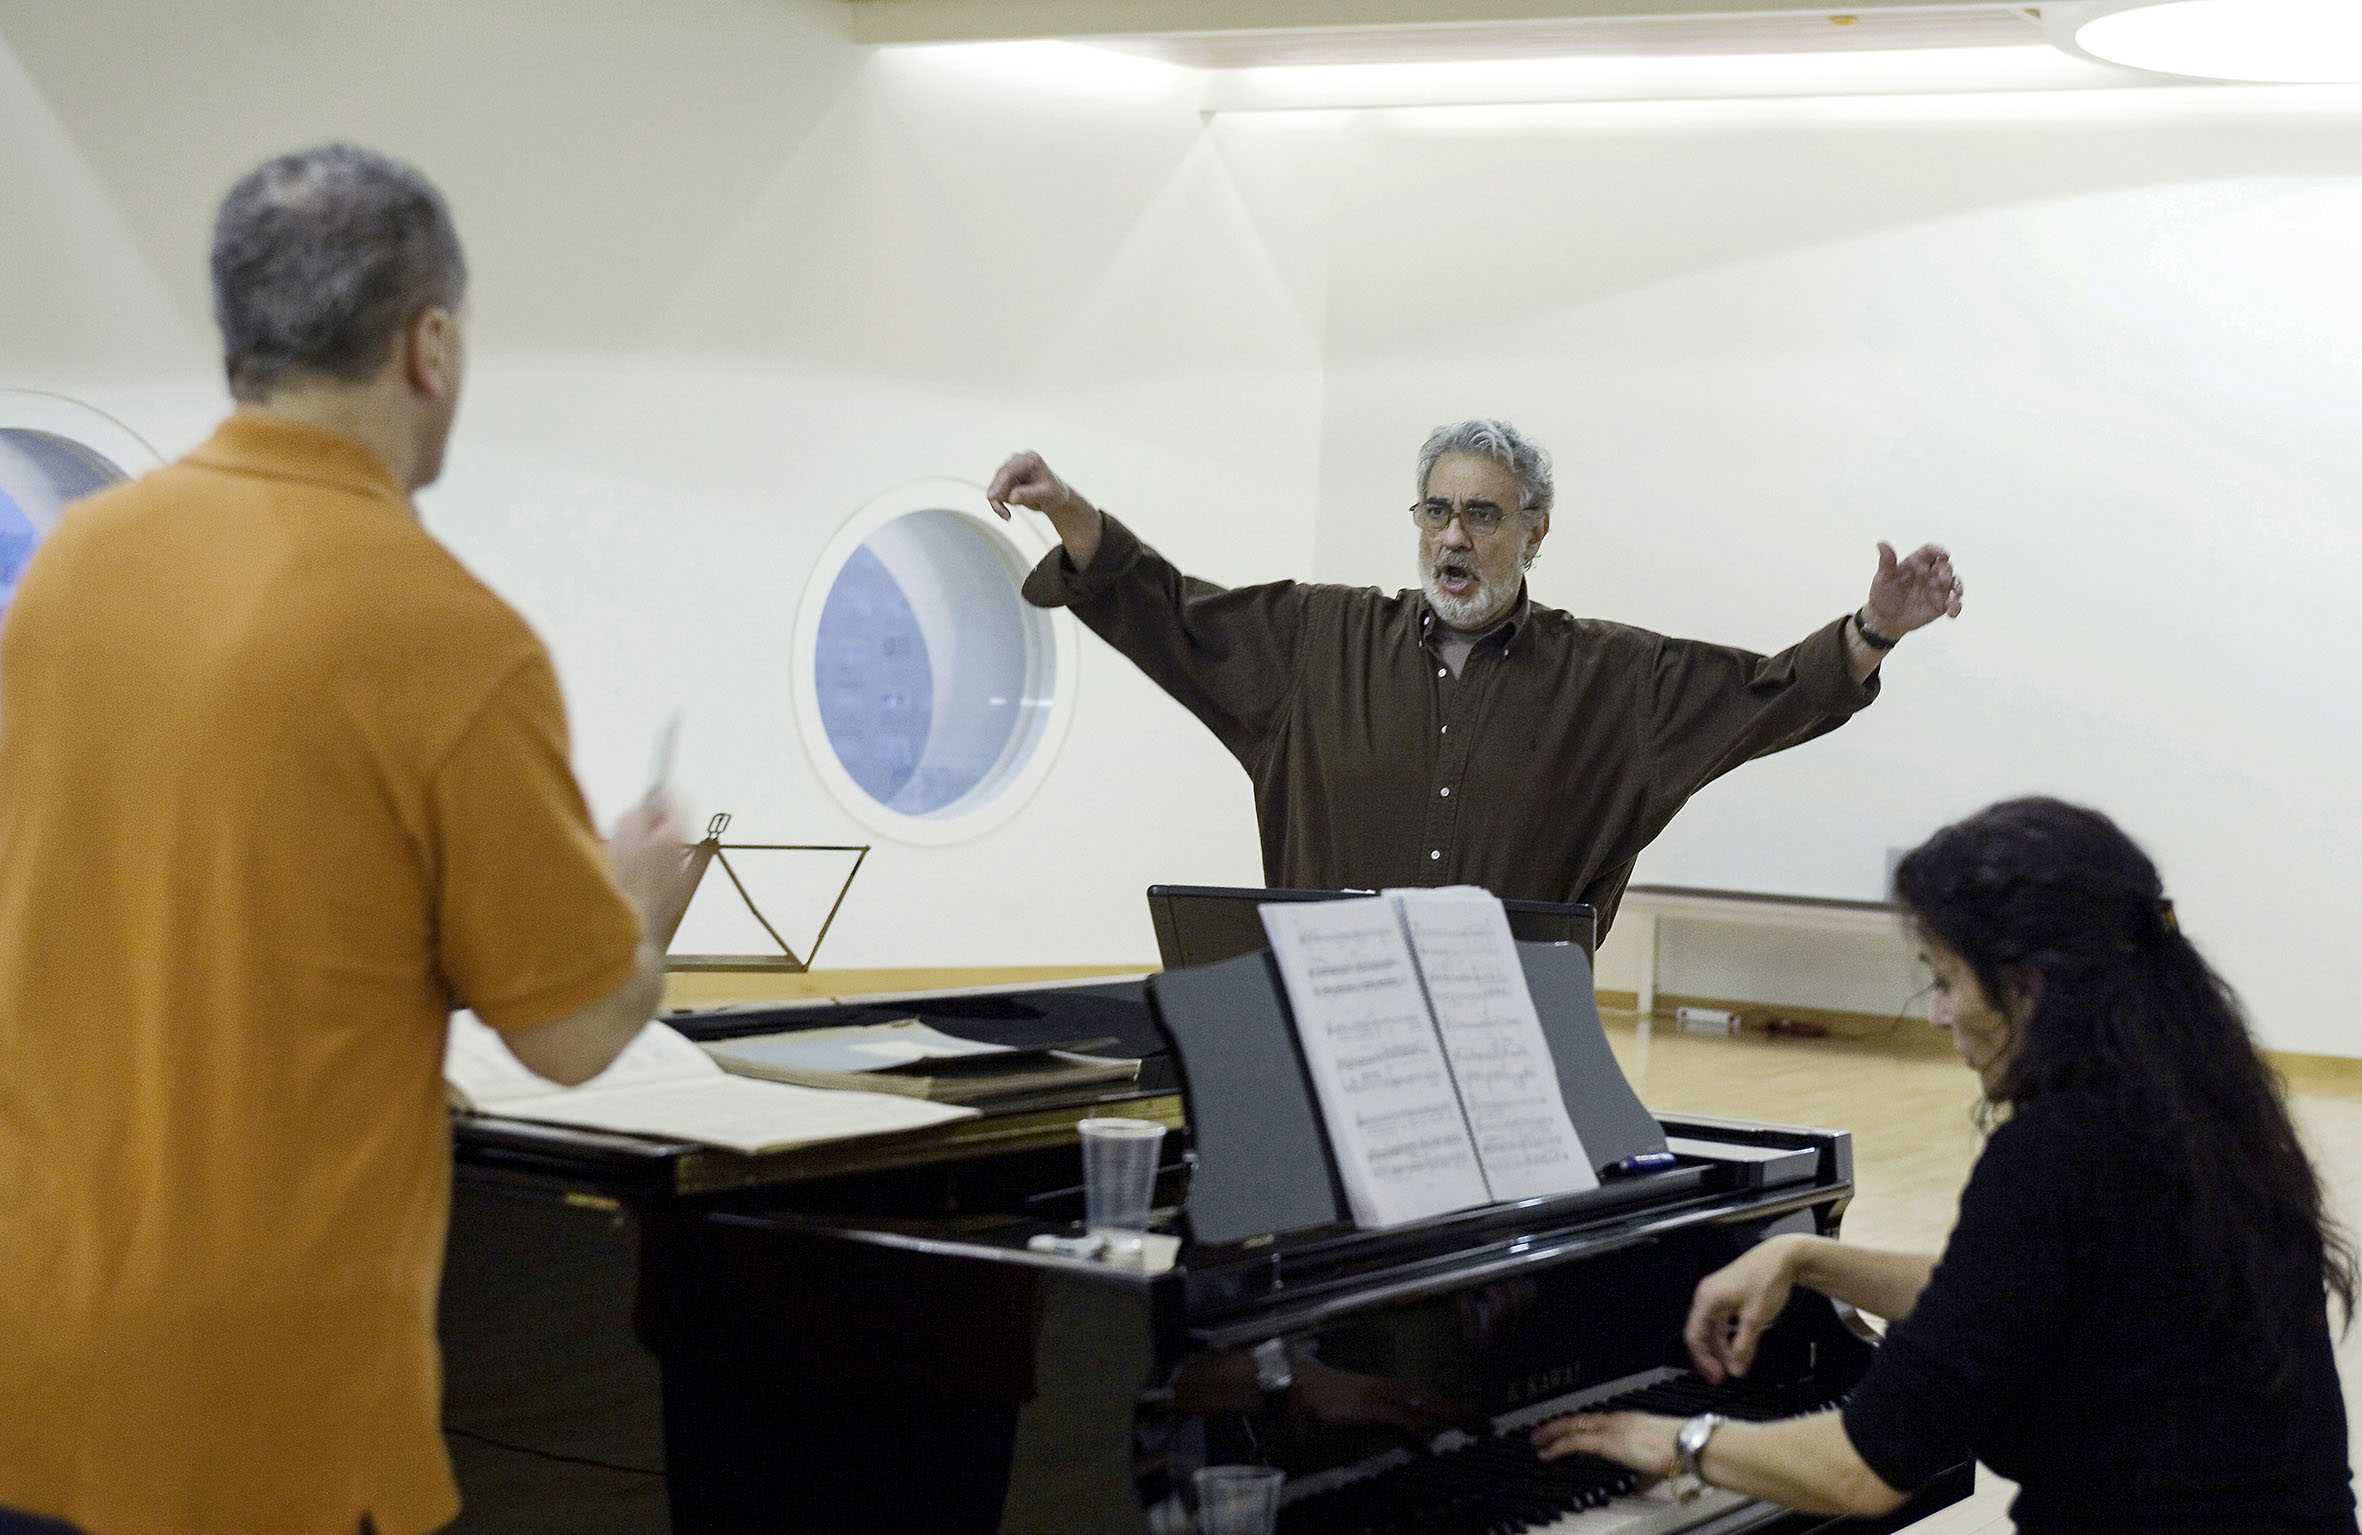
(1467, 612)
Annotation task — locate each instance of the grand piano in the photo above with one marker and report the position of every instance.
(642, 1336)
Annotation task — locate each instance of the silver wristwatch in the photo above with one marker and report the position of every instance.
(1689, 1442)
(1275, 1373)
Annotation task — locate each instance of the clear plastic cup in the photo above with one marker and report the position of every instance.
(1237, 1500)
(1119, 1177)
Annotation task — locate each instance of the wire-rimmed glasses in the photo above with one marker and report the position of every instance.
(1479, 517)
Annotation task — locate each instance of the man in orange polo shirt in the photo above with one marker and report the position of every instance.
(280, 784)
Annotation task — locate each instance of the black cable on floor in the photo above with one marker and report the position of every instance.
(571, 1460)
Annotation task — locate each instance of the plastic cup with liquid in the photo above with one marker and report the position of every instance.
(1119, 1179)
(1237, 1500)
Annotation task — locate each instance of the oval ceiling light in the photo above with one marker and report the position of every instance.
(2290, 41)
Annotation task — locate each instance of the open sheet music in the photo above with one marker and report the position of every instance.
(663, 1085)
(1428, 1060)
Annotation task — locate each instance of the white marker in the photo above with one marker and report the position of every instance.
(661, 778)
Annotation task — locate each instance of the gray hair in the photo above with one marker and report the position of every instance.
(1499, 441)
(320, 258)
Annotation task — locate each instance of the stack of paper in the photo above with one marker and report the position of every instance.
(663, 1085)
(906, 1056)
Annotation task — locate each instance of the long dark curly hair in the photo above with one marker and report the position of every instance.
(2053, 903)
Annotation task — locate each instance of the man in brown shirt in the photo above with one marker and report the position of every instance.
(280, 784)
(1459, 734)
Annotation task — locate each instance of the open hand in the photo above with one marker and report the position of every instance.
(1912, 592)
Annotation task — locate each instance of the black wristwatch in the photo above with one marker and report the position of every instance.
(1870, 636)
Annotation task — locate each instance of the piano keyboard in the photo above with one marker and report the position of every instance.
(1497, 1485)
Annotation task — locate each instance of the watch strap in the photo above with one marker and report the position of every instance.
(1870, 636)
(1689, 1442)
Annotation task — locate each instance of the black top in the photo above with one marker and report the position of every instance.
(2063, 1341)
(1559, 752)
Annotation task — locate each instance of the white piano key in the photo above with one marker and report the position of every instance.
(1654, 1512)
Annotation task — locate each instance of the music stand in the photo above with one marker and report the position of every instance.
(712, 851)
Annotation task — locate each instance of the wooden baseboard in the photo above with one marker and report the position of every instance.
(2309, 1073)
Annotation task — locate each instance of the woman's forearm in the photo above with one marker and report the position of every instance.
(1885, 1284)
(1802, 1463)
(1806, 1463)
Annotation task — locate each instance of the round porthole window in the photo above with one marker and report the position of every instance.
(932, 696)
(54, 452)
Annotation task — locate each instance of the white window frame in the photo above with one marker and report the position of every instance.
(1022, 541)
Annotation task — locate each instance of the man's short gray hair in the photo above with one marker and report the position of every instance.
(320, 258)
(1499, 441)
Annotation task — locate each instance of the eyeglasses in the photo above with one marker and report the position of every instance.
(1478, 517)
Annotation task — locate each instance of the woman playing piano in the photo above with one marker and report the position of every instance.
(2131, 1316)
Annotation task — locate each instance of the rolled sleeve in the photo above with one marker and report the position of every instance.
(531, 925)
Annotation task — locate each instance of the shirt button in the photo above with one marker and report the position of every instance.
(1447, 730)
(1443, 671)
(1437, 853)
(1447, 794)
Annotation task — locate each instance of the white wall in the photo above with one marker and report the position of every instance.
(2108, 347)
(736, 277)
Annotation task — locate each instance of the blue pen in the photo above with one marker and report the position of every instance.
(1647, 1160)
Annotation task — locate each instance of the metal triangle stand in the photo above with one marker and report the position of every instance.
(712, 851)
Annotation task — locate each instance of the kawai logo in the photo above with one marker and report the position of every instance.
(1557, 1379)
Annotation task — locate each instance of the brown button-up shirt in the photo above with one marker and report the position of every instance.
(1562, 749)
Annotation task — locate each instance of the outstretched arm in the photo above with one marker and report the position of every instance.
(1906, 594)
(1228, 656)
(1025, 480)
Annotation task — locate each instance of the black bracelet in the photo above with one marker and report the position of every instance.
(1870, 636)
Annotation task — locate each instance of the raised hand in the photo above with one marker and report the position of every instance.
(1025, 480)
(1734, 1304)
(650, 851)
(1912, 592)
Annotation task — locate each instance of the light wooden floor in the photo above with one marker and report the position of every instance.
(1906, 1099)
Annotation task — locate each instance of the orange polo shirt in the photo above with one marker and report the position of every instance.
(279, 780)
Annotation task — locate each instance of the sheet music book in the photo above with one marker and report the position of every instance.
(1426, 1055)
(664, 1085)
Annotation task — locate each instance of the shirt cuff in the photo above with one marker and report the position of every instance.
(1055, 583)
(1828, 675)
